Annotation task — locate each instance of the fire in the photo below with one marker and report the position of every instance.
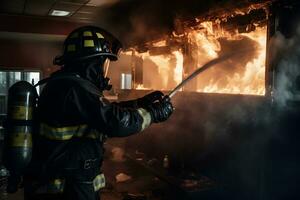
(244, 75)
(141, 87)
(161, 43)
(235, 78)
(179, 68)
(168, 73)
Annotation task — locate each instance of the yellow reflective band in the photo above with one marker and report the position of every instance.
(74, 35)
(94, 134)
(62, 133)
(99, 35)
(71, 47)
(21, 140)
(99, 182)
(87, 33)
(146, 118)
(88, 43)
(56, 186)
(21, 112)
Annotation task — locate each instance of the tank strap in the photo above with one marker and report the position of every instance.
(85, 84)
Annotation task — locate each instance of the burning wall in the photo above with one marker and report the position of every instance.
(243, 75)
(167, 61)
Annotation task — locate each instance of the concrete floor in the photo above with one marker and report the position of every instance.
(140, 185)
(144, 183)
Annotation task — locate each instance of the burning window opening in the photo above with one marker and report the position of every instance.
(167, 61)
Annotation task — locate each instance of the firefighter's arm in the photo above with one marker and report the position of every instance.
(156, 112)
(116, 121)
(112, 119)
(122, 122)
(142, 102)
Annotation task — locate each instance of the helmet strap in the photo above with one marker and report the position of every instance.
(104, 85)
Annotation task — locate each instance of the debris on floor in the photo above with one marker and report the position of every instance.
(117, 154)
(121, 177)
(131, 196)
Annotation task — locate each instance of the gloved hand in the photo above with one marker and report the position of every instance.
(161, 110)
(148, 99)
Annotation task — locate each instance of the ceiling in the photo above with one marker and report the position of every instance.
(132, 21)
(82, 11)
(119, 12)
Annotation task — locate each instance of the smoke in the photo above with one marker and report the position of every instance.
(231, 137)
(135, 22)
(285, 57)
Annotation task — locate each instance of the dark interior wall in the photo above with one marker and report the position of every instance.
(32, 52)
(282, 173)
(37, 55)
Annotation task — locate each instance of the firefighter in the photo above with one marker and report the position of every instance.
(75, 119)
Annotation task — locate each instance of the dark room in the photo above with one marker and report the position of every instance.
(149, 100)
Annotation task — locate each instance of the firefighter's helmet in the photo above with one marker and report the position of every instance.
(87, 42)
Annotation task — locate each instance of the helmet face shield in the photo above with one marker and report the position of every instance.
(106, 67)
(104, 80)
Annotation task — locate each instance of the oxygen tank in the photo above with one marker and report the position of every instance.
(22, 99)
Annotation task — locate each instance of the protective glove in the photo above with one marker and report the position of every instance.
(148, 99)
(142, 102)
(161, 110)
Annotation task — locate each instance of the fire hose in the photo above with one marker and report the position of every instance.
(206, 67)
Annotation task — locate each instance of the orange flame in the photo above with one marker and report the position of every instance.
(163, 72)
(245, 75)
(236, 79)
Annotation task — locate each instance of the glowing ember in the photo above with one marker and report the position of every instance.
(161, 43)
(141, 87)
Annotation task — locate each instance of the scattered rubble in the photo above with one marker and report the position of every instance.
(121, 177)
(118, 154)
